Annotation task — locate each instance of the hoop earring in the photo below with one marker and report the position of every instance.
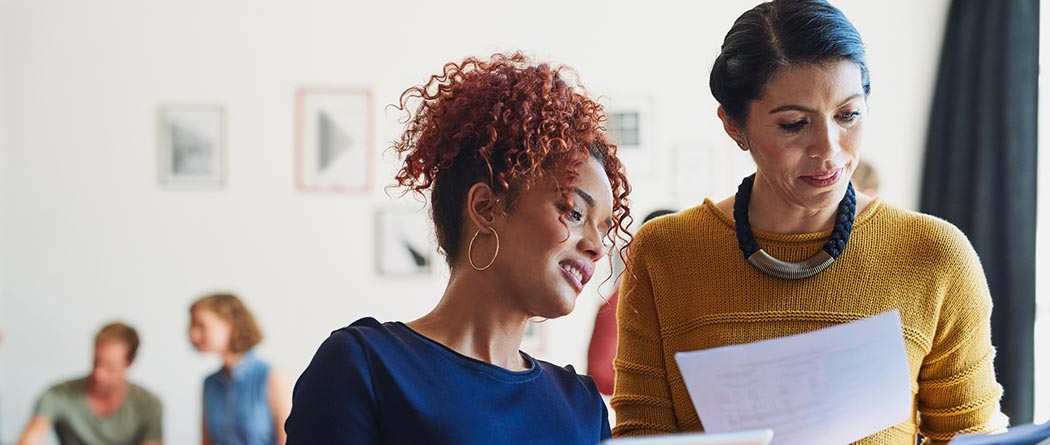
(470, 250)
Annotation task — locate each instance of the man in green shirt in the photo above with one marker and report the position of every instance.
(104, 407)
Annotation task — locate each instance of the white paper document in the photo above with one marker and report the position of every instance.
(753, 437)
(1030, 434)
(827, 387)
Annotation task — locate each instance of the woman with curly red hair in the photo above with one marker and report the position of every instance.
(526, 196)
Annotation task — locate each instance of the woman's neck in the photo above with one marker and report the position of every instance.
(230, 360)
(769, 213)
(473, 319)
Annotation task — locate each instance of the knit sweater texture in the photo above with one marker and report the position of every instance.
(688, 287)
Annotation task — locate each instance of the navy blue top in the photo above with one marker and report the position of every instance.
(372, 383)
(236, 407)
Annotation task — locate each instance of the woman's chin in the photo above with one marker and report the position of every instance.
(825, 198)
(567, 306)
(562, 308)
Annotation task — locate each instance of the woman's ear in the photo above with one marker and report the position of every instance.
(732, 129)
(481, 206)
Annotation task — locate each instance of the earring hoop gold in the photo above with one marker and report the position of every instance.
(470, 250)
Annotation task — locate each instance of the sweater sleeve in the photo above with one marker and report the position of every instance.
(642, 396)
(958, 392)
(333, 401)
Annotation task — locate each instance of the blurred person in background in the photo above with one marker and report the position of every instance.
(865, 178)
(103, 407)
(602, 349)
(246, 401)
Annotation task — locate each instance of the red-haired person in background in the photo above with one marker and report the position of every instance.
(526, 196)
(602, 349)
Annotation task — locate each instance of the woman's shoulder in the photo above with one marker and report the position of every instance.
(365, 327)
(918, 227)
(571, 382)
(365, 333)
(349, 350)
(918, 238)
(690, 222)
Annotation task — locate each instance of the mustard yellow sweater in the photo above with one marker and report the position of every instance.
(688, 287)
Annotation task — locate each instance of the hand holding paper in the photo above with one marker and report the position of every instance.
(826, 387)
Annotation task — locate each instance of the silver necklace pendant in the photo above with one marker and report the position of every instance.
(787, 270)
(806, 268)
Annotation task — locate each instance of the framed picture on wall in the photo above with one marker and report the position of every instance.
(191, 145)
(631, 127)
(404, 243)
(333, 139)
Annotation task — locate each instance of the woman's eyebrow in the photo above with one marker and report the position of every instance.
(586, 196)
(590, 203)
(805, 109)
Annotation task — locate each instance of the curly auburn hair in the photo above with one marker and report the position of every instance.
(245, 333)
(507, 122)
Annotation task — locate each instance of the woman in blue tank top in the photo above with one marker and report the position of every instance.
(246, 401)
(526, 195)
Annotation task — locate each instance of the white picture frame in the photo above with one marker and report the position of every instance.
(631, 126)
(191, 145)
(334, 137)
(404, 243)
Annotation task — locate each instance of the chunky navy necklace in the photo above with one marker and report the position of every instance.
(787, 270)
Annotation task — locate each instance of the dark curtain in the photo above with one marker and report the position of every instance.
(980, 169)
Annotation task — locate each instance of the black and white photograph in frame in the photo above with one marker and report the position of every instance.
(404, 243)
(334, 139)
(191, 146)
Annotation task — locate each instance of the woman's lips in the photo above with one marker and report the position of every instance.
(823, 178)
(577, 272)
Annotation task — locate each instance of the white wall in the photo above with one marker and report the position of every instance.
(4, 191)
(89, 235)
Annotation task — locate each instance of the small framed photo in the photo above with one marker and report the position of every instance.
(631, 127)
(404, 243)
(625, 128)
(191, 146)
(333, 139)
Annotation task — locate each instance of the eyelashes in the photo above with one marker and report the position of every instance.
(576, 217)
(794, 127)
(573, 216)
(846, 117)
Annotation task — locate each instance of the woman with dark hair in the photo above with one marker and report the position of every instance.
(246, 401)
(796, 249)
(526, 196)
